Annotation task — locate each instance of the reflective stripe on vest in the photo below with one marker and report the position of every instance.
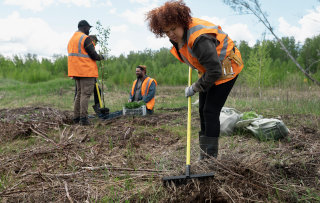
(196, 28)
(79, 54)
(147, 89)
(79, 62)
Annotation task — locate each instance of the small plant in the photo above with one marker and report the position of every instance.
(128, 184)
(110, 144)
(249, 115)
(3, 182)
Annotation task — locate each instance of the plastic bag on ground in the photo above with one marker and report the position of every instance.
(228, 119)
(268, 129)
(247, 118)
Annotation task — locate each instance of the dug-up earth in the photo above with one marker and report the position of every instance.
(44, 158)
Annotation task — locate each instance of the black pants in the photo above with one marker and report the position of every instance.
(95, 93)
(210, 105)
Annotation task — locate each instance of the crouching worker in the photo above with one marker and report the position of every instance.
(143, 88)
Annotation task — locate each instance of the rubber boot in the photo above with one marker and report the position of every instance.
(208, 147)
(84, 121)
(76, 120)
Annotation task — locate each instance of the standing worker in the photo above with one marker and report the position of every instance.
(203, 46)
(143, 88)
(82, 66)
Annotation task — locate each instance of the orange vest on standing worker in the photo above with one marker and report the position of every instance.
(198, 27)
(145, 90)
(79, 62)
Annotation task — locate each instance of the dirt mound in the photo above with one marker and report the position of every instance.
(21, 122)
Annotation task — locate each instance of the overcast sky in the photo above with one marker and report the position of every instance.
(44, 27)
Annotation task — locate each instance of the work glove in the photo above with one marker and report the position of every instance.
(101, 57)
(189, 91)
(129, 100)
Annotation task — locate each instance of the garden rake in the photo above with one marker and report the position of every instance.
(184, 178)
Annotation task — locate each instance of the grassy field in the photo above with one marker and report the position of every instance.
(59, 93)
(45, 158)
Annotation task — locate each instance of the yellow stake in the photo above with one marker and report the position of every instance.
(97, 87)
(189, 120)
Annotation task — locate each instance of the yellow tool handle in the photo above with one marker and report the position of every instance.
(97, 87)
(189, 121)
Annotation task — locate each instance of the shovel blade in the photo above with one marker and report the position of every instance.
(104, 111)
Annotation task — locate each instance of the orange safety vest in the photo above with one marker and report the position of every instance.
(79, 62)
(145, 90)
(198, 27)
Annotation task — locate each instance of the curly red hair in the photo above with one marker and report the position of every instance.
(171, 13)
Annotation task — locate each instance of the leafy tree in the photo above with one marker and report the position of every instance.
(103, 37)
(276, 52)
(257, 64)
(245, 50)
(310, 54)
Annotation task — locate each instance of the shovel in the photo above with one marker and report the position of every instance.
(183, 179)
(103, 111)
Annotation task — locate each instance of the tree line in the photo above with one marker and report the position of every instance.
(266, 65)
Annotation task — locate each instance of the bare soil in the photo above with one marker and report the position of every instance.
(125, 159)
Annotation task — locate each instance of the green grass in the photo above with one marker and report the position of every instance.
(59, 93)
(56, 92)
(276, 101)
(18, 145)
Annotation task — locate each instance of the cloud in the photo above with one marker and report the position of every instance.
(39, 5)
(108, 3)
(240, 32)
(214, 20)
(145, 2)
(157, 43)
(31, 35)
(85, 3)
(123, 46)
(309, 26)
(137, 16)
(35, 5)
(140, 1)
(113, 11)
(119, 28)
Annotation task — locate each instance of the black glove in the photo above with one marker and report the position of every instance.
(101, 57)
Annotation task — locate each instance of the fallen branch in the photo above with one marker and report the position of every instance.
(43, 136)
(84, 138)
(121, 169)
(67, 191)
(59, 175)
(65, 175)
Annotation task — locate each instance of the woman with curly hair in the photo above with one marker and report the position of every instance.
(203, 46)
